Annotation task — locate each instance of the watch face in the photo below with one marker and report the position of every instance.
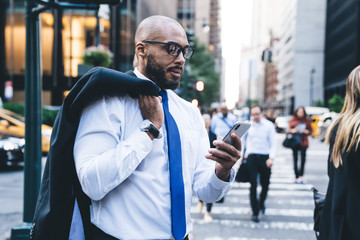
(145, 125)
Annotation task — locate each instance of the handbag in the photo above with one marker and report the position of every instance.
(319, 200)
(292, 140)
(242, 174)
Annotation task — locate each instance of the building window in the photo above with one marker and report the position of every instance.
(15, 36)
(79, 32)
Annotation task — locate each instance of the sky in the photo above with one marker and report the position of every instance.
(235, 32)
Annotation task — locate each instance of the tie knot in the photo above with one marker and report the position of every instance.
(164, 96)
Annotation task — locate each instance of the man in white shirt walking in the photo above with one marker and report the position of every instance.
(223, 121)
(259, 147)
(124, 154)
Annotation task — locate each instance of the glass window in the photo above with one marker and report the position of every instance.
(79, 32)
(15, 39)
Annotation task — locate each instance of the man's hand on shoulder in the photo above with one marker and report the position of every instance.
(151, 108)
(225, 155)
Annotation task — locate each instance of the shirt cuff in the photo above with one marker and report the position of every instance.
(218, 183)
(141, 142)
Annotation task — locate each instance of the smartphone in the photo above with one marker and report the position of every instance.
(239, 128)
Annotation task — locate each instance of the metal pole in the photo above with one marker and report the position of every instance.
(57, 60)
(249, 87)
(312, 72)
(32, 169)
(97, 29)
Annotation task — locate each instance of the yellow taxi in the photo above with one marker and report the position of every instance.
(314, 124)
(13, 125)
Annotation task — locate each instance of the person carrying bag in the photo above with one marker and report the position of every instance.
(300, 128)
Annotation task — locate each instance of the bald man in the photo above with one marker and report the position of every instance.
(124, 151)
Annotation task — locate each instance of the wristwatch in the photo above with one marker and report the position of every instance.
(148, 126)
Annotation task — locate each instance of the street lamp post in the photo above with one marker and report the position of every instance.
(312, 72)
(32, 157)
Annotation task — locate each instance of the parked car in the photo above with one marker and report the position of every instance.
(11, 151)
(324, 122)
(13, 125)
(315, 113)
(314, 125)
(282, 123)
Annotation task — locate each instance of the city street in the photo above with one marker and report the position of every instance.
(289, 206)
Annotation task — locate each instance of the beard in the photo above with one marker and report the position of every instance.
(157, 74)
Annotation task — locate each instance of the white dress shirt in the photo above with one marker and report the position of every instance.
(220, 125)
(260, 139)
(126, 174)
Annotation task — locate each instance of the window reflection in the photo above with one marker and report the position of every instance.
(15, 36)
(79, 32)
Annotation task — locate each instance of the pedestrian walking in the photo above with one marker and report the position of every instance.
(340, 216)
(212, 137)
(300, 124)
(259, 149)
(137, 160)
(223, 121)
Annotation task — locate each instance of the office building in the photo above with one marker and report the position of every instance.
(300, 57)
(342, 51)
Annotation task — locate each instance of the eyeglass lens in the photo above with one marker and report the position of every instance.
(175, 50)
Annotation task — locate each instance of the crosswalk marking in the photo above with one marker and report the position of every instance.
(272, 192)
(224, 210)
(289, 202)
(240, 238)
(297, 226)
(289, 208)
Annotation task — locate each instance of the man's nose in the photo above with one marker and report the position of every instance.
(180, 58)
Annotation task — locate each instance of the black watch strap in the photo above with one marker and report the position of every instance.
(148, 126)
(154, 131)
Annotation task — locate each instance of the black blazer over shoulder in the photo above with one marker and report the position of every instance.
(341, 214)
(60, 185)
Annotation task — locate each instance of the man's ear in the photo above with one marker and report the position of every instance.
(140, 49)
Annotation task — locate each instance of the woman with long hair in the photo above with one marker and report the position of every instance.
(341, 214)
(300, 125)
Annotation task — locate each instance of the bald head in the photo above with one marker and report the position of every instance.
(154, 57)
(154, 27)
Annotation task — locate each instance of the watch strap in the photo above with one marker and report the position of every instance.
(154, 131)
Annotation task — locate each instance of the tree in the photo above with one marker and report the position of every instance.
(319, 103)
(201, 67)
(336, 103)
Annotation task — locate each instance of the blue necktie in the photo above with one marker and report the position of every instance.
(178, 221)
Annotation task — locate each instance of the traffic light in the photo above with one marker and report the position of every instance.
(200, 86)
(267, 55)
(190, 36)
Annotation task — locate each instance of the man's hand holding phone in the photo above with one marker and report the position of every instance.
(227, 151)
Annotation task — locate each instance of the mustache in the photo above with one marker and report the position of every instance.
(175, 67)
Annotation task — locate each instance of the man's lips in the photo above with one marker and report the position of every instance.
(176, 71)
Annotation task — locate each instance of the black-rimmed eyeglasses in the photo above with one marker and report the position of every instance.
(174, 48)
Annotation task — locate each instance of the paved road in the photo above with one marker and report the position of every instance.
(11, 200)
(288, 214)
(289, 207)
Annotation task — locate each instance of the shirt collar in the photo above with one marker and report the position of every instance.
(260, 122)
(140, 75)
